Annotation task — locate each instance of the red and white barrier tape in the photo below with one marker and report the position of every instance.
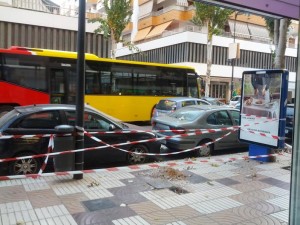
(131, 168)
(268, 120)
(50, 149)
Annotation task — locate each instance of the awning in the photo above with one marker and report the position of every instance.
(240, 30)
(182, 3)
(258, 32)
(141, 34)
(158, 30)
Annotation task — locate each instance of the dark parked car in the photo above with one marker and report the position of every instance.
(289, 127)
(42, 119)
(168, 105)
(199, 117)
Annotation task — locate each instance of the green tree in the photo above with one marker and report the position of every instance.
(278, 33)
(118, 15)
(214, 18)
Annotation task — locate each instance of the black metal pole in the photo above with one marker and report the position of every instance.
(79, 159)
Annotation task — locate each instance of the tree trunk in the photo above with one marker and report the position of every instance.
(113, 45)
(209, 60)
(279, 62)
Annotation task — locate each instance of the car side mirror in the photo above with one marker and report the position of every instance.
(111, 127)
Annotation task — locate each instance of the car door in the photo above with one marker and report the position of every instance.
(94, 123)
(35, 124)
(221, 119)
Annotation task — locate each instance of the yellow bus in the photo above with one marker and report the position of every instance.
(126, 90)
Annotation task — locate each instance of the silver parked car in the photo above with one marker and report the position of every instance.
(199, 117)
(168, 105)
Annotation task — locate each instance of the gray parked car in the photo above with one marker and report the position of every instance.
(168, 105)
(199, 117)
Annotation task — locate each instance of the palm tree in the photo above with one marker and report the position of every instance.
(278, 32)
(118, 15)
(214, 18)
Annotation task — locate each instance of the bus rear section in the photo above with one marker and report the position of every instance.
(22, 82)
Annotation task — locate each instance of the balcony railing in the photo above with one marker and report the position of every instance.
(36, 5)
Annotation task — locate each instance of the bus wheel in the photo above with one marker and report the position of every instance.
(24, 166)
(205, 150)
(5, 109)
(137, 158)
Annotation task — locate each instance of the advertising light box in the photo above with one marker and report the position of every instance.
(263, 107)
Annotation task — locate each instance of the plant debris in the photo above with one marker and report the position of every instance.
(168, 173)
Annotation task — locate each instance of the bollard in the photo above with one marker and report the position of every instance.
(64, 162)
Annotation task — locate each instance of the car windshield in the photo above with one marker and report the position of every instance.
(187, 115)
(166, 105)
(6, 117)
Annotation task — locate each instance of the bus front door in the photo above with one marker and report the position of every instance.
(62, 86)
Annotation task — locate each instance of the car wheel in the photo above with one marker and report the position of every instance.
(137, 158)
(204, 150)
(24, 166)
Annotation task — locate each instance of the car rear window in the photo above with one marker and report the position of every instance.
(166, 105)
(187, 115)
(8, 116)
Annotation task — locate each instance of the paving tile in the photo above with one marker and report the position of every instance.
(264, 220)
(282, 201)
(261, 194)
(98, 204)
(277, 191)
(200, 220)
(194, 178)
(245, 198)
(247, 212)
(227, 181)
(265, 207)
(276, 182)
(251, 186)
(12, 194)
(245, 178)
(158, 183)
(183, 212)
(131, 220)
(128, 199)
(130, 188)
(73, 202)
(144, 207)
(38, 199)
(282, 215)
(103, 217)
(158, 218)
(225, 217)
(215, 205)
(9, 207)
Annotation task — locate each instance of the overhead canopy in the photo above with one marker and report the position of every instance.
(158, 30)
(279, 8)
(141, 34)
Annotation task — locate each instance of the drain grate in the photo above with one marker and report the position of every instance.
(178, 190)
(286, 168)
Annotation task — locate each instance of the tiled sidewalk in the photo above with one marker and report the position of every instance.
(176, 193)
